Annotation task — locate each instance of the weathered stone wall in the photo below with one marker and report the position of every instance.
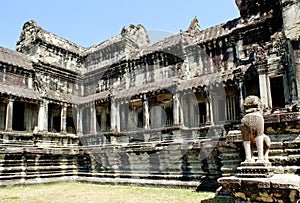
(36, 158)
(291, 25)
(182, 156)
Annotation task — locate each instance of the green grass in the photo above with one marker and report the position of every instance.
(10, 197)
(90, 193)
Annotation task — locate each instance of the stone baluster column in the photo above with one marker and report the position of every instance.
(46, 116)
(93, 120)
(176, 109)
(269, 94)
(263, 88)
(115, 115)
(241, 97)
(43, 117)
(79, 120)
(9, 115)
(28, 117)
(208, 115)
(209, 112)
(146, 116)
(103, 120)
(118, 120)
(63, 117)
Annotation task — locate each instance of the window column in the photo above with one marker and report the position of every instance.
(146, 116)
(79, 120)
(115, 115)
(176, 109)
(93, 119)
(43, 117)
(118, 120)
(63, 117)
(263, 87)
(241, 97)
(208, 119)
(9, 115)
(208, 104)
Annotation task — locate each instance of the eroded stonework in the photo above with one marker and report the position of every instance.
(165, 113)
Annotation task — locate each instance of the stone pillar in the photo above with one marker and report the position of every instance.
(263, 89)
(115, 115)
(269, 96)
(241, 97)
(79, 120)
(9, 115)
(103, 120)
(176, 109)
(118, 120)
(93, 120)
(209, 112)
(63, 122)
(43, 117)
(46, 117)
(28, 117)
(146, 116)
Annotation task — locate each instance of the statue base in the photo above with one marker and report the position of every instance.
(278, 188)
(256, 182)
(255, 170)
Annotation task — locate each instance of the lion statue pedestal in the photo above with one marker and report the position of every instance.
(252, 128)
(255, 179)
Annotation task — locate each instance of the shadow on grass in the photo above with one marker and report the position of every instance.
(218, 200)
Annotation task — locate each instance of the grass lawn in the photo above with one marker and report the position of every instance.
(82, 192)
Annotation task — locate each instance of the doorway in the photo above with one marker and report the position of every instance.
(277, 92)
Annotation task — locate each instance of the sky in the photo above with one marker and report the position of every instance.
(90, 22)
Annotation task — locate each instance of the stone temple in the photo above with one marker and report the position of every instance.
(127, 111)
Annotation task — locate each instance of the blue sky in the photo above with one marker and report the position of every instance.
(90, 22)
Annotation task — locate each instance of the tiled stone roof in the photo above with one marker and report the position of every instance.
(14, 58)
(19, 91)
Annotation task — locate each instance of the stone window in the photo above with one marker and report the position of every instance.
(103, 117)
(202, 113)
(252, 82)
(277, 92)
(231, 108)
(70, 125)
(18, 123)
(3, 107)
(86, 120)
(161, 110)
(190, 110)
(220, 110)
(54, 118)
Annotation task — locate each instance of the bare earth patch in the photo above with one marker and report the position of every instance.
(82, 192)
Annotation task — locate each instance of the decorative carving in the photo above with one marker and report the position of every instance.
(194, 27)
(27, 36)
(252, 127)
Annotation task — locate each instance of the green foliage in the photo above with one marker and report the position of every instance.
(10, 197)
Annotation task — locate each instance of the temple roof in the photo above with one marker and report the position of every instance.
(216, 31)
(19, 91)
(15, 58)
(149, 87)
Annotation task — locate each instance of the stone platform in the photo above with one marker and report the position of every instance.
(278, 188)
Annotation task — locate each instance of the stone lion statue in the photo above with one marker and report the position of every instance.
(252, 128)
